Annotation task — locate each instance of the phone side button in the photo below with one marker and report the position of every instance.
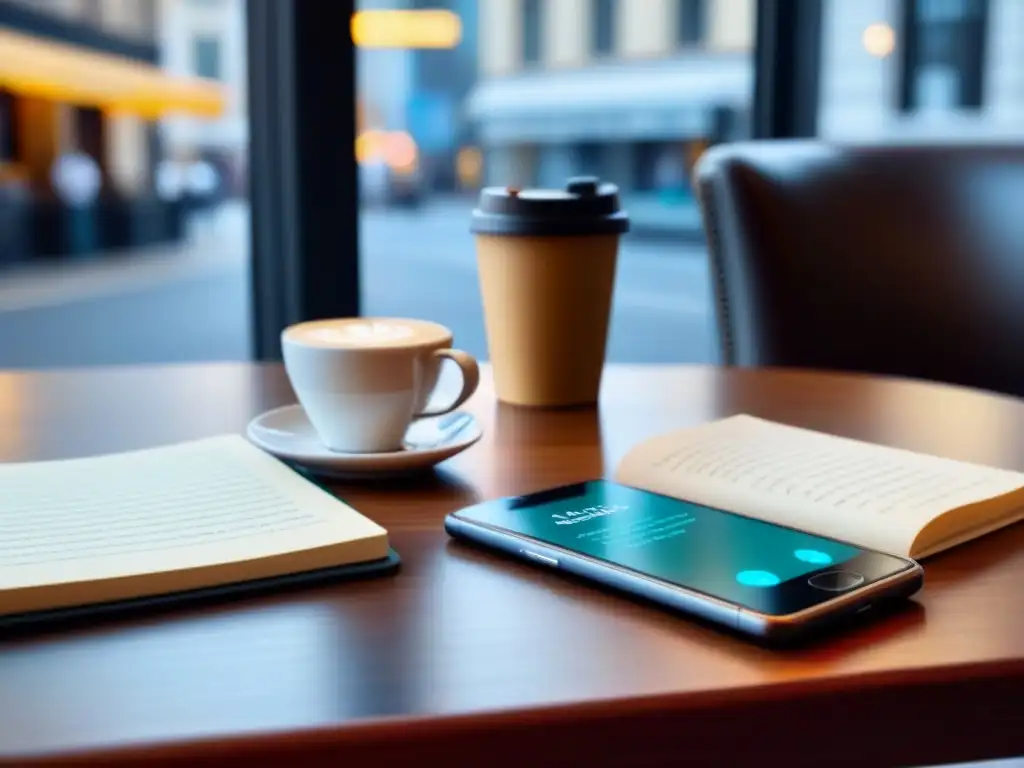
(543, 559)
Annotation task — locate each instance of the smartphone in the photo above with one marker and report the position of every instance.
(757, 578)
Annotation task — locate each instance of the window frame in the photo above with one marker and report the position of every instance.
(35, 21)
(305, 220)
(532, 43)
(602, 36)
(787, 69)
(971, 96)
(696, 18)
(148, 18)
(216, 47)
(91, 12)
(304, 217)
(8, 128)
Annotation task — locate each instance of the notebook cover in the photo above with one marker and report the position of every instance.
(79, 615)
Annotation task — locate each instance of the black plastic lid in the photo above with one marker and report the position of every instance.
(585, 207)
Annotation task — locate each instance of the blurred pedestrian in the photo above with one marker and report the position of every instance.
(76, 180)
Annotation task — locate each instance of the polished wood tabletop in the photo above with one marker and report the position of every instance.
(473, 659)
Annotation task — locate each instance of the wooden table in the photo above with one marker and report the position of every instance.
(474, 660)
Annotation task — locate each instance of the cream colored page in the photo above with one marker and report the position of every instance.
(872, 495)
(182, 506)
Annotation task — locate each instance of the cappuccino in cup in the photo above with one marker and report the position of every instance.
(363, 381)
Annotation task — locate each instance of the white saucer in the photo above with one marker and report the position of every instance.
(286, 433)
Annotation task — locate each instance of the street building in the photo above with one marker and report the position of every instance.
(81, 94)
(411, 94)
(922, 69)
(207, 39)
(632, 91)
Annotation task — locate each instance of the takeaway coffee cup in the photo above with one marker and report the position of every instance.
(547, 268)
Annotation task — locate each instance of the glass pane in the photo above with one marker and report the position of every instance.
(933, 68)
(124, 234)
(930, 11)
(526, 98)
(602, 27)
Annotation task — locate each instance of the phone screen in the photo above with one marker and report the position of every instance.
(739, 559)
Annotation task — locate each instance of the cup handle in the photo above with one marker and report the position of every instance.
(470, 380)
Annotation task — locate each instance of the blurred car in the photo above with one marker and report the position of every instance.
(389, 172)
(373, 181)
(380, 184)
(405, 187)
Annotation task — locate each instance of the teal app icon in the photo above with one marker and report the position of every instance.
(757, 579)
(813, 556)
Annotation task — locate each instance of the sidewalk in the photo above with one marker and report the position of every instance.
(217, 244)
(221, 243)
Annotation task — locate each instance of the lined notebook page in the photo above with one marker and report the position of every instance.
(188, 505)
(870, 494)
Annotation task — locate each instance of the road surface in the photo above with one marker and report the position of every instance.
(193, 303)
(423, 264)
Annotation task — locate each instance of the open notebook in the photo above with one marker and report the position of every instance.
(189, 516)
(877, 497)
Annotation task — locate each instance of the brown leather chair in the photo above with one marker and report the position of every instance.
(898, 259)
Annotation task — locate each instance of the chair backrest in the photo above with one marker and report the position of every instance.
(898, 259)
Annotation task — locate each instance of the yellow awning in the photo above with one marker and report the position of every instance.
(74, 75)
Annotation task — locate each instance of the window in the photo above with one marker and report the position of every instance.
(691, 22)
(89, 132)
(147, 17)
(944, 54)
(603, 30)
(206, 57)
(531, 31)
(934, 69)
(92, 12)
(607, 94)
(590, 159)
(95, 191)
(8, 143)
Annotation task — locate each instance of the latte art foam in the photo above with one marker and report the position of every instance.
(367, 333)
(360, 333)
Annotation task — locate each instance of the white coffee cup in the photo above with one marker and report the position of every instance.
(363, 381)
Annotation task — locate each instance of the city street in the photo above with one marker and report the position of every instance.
(423, 264)
(191, 302)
